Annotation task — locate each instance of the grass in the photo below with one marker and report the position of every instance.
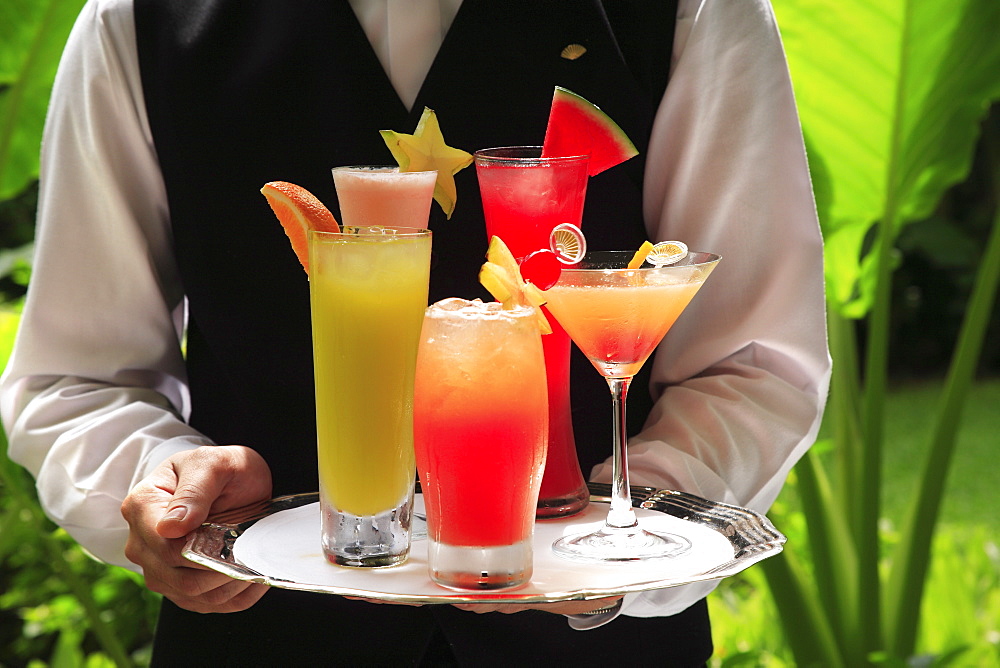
(961, 608)
(971, 494)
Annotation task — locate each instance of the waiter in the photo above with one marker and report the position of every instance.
(166, 119)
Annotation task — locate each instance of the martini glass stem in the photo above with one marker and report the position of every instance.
(621, 515)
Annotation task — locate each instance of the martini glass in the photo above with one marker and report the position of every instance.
(617, 316)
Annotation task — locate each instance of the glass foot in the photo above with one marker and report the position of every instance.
(620, 544)
(563, 506)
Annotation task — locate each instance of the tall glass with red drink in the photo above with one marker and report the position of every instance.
(524, 197)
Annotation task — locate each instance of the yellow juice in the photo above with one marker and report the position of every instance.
(368, 295)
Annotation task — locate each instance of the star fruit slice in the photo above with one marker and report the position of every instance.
(501, 276)
(424, 151)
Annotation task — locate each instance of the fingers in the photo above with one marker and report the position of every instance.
(173, 501)
(190, 585)
(206, 591)
(560, 608)
(212, 479)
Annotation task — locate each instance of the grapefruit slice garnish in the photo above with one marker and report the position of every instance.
(578, 127)
(667, 252)
(568, 243)
(298, 211)
(502, 277)
(640, 255)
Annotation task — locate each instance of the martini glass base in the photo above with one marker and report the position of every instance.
(620, 544)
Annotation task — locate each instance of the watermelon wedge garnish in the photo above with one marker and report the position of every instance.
(578, 127)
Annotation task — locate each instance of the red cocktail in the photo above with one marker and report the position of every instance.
(524, 198)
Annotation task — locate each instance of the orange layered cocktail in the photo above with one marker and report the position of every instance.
(617, 306)
(480, 424)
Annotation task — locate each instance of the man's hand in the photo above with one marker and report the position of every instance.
(561, 608)
(173, 501)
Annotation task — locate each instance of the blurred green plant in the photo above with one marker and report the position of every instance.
(58, 606)
(67, 606)
(891, 94)
(32, 35)
(959, 612)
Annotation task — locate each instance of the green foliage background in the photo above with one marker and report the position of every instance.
(895, 98)
(892, 96)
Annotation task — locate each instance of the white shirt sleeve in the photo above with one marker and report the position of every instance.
(94, 395)
(741, 380)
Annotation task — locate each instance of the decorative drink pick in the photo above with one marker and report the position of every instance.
(568, 243)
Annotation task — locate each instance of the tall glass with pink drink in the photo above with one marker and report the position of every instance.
(383, 196)
(524, 197)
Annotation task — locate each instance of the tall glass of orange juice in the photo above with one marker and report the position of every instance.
(368, 291)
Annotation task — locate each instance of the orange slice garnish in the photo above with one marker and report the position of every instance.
(298, 211)
(640, 255)
(568, 243)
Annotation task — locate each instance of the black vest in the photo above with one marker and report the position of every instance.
(242, 92)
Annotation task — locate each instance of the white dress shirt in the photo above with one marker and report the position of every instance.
(94, 396)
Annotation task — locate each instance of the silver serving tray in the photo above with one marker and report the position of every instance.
(738, 538)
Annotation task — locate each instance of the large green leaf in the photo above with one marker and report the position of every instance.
(32, 35)
(890, 93)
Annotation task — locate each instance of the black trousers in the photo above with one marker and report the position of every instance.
(288, 628)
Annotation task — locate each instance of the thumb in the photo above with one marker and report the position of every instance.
(199, 484)
(179, 520)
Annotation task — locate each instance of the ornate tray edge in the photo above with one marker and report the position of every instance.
(752, 536)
